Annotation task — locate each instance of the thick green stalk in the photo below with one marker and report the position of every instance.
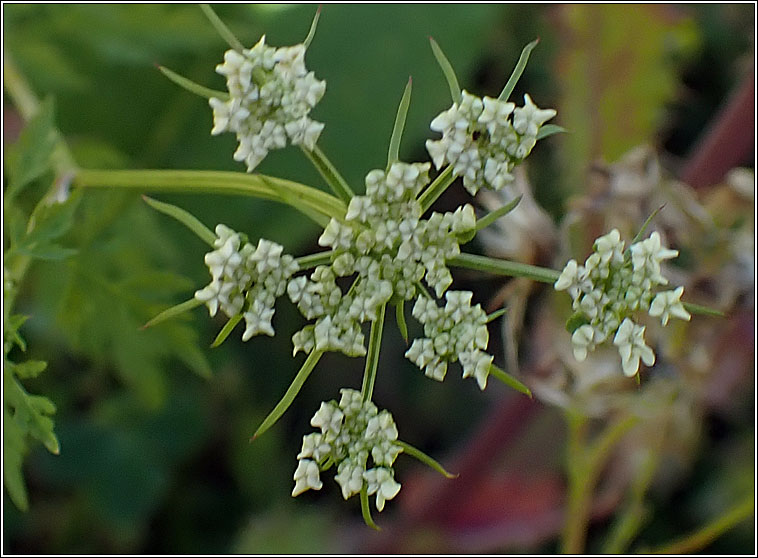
(313, 260)
(216, 182)
(579, 495)
(372, 358)
(505, 267)
(585, 462)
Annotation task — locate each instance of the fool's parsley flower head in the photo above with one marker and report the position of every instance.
(271, 94)
(457, 331)
(388, 248)
(483, 139)
(613, 284)
(246, 280)
(359, 440)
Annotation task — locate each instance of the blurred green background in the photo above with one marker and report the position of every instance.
(154, 457)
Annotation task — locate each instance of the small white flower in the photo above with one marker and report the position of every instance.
(350, 478)
(569, 276)
(306, 477)
(456, 332)
(258, 320)
(668, 303)
(480, 142)
(477, 364)
(647, 255)
(381, 481)
(528, 119)
(328, 418)
(382, 425)
(631, 343)
(583, 341)
(209, 295)
(271, 96)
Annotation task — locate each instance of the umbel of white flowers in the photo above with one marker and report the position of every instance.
(246, 279)
(351, 432)
(270, 97)
(386, 245)
(482, 142)
(456, 332)
(613, 284)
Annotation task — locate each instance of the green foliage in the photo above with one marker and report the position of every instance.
(115, 270)
(603, 77)
(151, 458)
(32, 153)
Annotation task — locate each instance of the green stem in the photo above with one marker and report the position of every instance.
(192, 87)
(706, 535)
(631, 518)
(313, 260)
(505, 267)
(639, 234)
(578, 491)
(436, 188)
(217, 182)
(372, 358)
(585, 462)
(221, 28)
(329, 173)
(704, 310)
(365, 510)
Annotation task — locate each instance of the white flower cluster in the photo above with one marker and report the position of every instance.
(610, 286)
(246, 280)
(338, 317)
(270, 96)
(351, 431)
(456, 332)
(386, 244)
(482, 143)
